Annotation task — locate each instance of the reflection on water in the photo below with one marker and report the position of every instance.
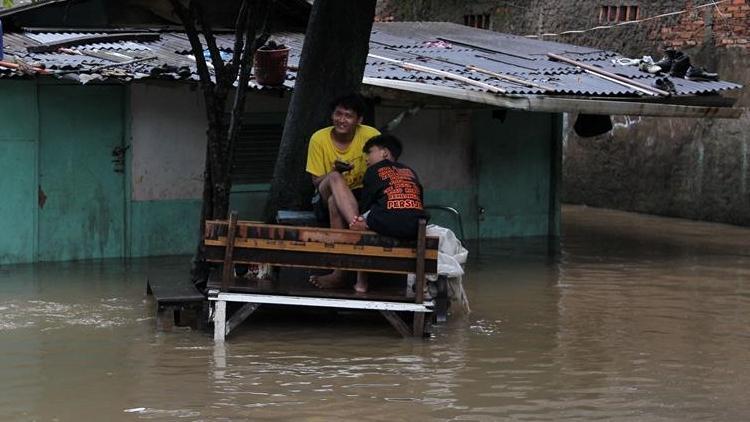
(634, 318)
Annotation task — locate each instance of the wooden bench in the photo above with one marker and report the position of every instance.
(232, 242)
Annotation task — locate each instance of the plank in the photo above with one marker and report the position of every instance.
(173, 291)
(240, 315)
(228, 273)
(294, 282)
(321, 302)
(320, 260)
(216, 229)
(341, 248)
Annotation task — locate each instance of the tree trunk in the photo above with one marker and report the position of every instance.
(331, 65)
(221, 136)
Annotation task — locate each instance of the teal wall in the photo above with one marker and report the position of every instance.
(59, 136)
(516, 175)
(60, 197)
(18, 184)
(83, 215)
(164, 227)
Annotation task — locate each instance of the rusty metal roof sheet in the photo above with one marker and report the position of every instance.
(442, 46)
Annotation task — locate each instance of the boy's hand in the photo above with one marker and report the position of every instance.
(342, 166)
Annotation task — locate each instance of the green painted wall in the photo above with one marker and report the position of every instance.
(65, 146)
(513, 153)
(463, 200)
(18, 155)
(164, 227)
(83, 216)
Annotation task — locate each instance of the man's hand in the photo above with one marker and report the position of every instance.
(342, 166)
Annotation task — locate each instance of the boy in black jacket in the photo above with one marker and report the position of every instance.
(391, 203)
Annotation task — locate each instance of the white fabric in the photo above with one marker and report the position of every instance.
(451, 254)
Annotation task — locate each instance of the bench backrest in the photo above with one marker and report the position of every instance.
(315, 247)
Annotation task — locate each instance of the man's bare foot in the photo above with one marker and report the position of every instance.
(361, 285)
(359, 225)
(328, 281)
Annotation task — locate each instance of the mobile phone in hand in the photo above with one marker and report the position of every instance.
(342, 166)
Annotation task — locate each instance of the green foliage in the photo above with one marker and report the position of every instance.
(7, 4)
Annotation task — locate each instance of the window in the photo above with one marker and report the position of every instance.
(256, 149)
(608, 14)
(477, 21)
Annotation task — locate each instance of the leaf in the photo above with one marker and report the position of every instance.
(7, 4)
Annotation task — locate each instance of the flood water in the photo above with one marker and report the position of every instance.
(635, 318)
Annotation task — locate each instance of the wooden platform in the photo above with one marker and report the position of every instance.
(178, 302)
(294, 282)
(235, 244)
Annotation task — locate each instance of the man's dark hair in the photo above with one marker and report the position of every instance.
(390, 142)
(352, 102)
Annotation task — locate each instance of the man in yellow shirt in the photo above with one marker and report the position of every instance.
(335, 159)
(336, 151)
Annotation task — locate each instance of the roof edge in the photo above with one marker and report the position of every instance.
(560, 105)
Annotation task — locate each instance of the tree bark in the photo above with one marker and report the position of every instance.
(332, 64)
(221, 135)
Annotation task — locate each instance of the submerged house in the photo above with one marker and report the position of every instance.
(102, 126)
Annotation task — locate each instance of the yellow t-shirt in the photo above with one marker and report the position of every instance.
(321, 153)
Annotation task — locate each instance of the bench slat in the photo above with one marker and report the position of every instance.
(216, 229)
(339, 248)
(384, 264)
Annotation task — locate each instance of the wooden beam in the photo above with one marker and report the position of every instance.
(220, 320)
(621, 80)
(228, 273)
(217, 229)
(321, 302)
(240, 315)
(332, 248)
(320, 260)
(420, 283)
(397, 323)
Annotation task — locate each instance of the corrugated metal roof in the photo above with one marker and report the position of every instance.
(442, 46)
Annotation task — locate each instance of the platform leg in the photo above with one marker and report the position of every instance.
(441, 301)
(418, 328)
(240, 315)
(164, 318)
(397, 323)
(220, 320)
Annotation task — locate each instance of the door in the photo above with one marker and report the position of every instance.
(513, 156)
(81, 195)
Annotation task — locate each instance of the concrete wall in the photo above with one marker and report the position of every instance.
(168, 142)
(693, 168)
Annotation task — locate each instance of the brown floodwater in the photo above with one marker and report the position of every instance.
(632, 318)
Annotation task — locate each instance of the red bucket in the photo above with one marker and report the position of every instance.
(269, 66)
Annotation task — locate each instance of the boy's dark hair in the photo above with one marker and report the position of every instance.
(389, 142)
(352, 102)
